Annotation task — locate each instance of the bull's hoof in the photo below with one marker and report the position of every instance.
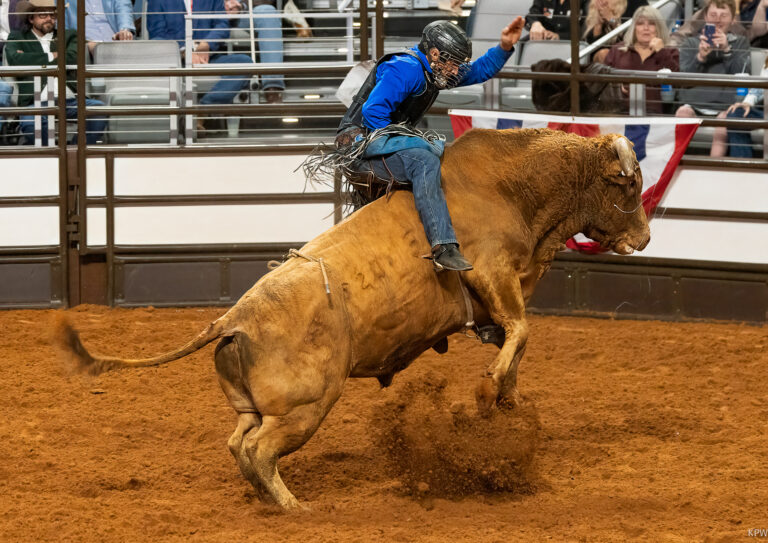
(510, 400)
(485, 396)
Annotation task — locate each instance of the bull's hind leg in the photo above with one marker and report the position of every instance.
(248, 421)
(281, 435)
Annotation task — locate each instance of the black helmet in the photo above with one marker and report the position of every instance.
(454, 46)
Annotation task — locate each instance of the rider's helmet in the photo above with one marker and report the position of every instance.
(455, 52)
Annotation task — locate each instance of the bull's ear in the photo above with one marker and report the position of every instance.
(622, 147)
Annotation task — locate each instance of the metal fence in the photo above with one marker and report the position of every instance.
(78, 270)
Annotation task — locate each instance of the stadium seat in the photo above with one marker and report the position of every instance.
(671, 12)
(491, 16)
(142, 91)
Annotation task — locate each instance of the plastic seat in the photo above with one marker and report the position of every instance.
(139, 91)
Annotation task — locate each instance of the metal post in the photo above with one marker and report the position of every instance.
(575, 66)
(188, 128)
(379, 28)
(38, 119)
(49, 101)
(364, 30)
(250, 31)
(350, 37)
(637, 100)
(61, 74)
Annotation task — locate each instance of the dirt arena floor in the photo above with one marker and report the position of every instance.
(639, 431)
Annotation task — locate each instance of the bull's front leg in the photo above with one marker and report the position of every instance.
(502, 295)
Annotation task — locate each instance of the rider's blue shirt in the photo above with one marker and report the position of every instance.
(402, 76)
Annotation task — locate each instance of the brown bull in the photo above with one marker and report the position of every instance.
(288, 346)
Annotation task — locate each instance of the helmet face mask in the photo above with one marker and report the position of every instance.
(447, 70)
(449, 51)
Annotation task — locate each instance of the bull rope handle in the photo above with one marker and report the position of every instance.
(294, 253)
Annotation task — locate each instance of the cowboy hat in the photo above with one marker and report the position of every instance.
(27, 6)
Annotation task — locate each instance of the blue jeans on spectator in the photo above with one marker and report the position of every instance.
(226, 88)
(5, 95)
(94, 126)
(740, 141)
(269, 33)
(420, 168)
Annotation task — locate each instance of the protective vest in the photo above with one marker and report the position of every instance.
(410, 111)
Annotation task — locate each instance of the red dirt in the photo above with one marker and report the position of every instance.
(631, 431)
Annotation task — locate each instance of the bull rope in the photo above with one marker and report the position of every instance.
(294, 253)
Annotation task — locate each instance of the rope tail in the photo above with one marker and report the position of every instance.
(67, 341)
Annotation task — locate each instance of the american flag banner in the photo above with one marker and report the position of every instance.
(660, 143)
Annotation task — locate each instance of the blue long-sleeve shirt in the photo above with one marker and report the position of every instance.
(403, 75)
(165, 21)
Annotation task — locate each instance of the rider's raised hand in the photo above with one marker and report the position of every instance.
(511, 34)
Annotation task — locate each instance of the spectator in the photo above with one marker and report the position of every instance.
(645, 47)
(105, 20)
(8, 20)
(758, 27)
(6, 91)
(165, 21)
(727, 53)
(551, 19)
(739, 141)
(36, 45)
(602, 17)
(269, 33)
(696, 24)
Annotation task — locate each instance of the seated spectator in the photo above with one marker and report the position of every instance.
(551, 19)
(105, 20)
(602, 17)
(269, 33)
(36, 45)
(165, 21)
(6, 91)
(739, 142)
(696, 24)
(645, 47)
(753, 15)
(726, 53)
(8, 20)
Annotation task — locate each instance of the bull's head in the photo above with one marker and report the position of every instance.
(615, 215)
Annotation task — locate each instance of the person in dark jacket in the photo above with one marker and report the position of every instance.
(165, 21)
(551, 19)
(725, 53)
(36, 45)
(400, 89)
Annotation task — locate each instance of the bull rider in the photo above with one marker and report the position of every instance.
(380, 123)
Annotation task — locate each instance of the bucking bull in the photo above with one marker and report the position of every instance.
(360, 301)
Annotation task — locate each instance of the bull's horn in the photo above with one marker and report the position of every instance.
(626, 157)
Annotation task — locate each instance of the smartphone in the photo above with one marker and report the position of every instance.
(709, 32)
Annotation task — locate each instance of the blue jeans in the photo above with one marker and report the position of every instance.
(226, 88)
(740, 141)
(421, 168)
(94, 126)
(269, 35)
(5, 95)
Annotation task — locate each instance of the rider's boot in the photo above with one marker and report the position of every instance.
(448, 257)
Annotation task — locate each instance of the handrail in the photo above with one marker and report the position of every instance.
(330, 69)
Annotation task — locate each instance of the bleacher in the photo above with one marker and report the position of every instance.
(335, 40)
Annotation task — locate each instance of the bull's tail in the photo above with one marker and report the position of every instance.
(68, 342)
